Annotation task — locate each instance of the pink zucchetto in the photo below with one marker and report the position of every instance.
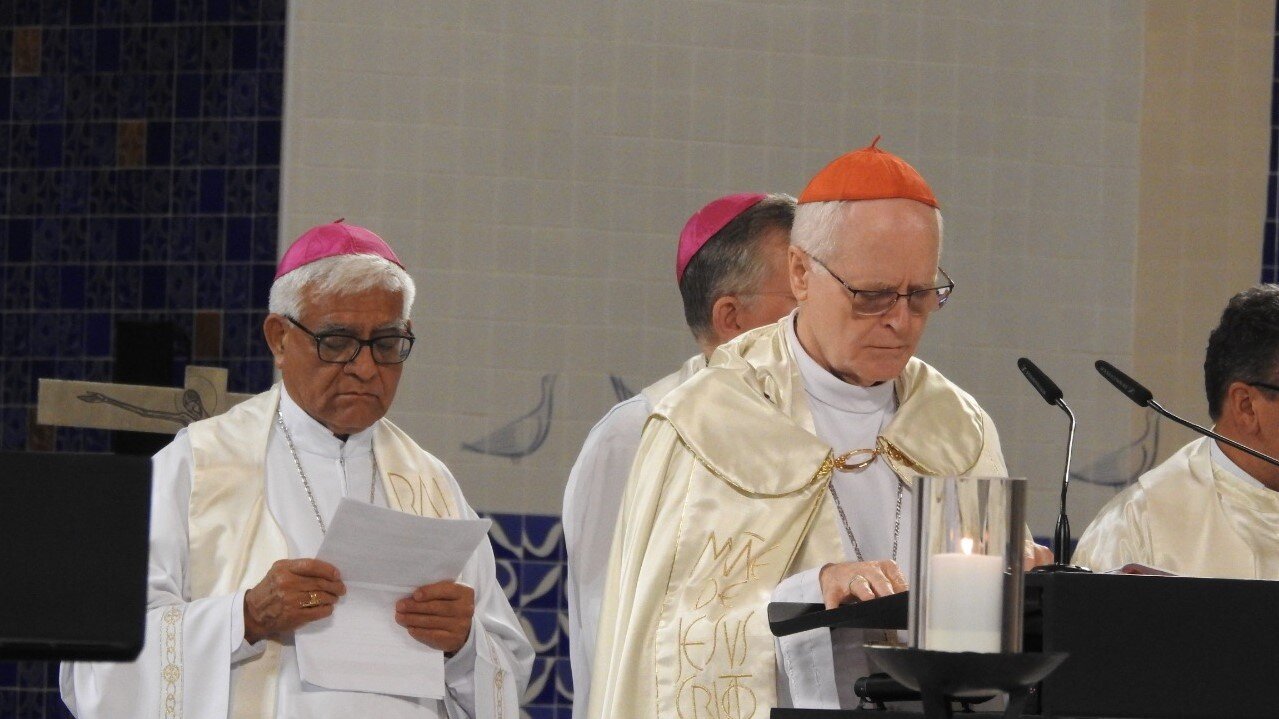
(704, 223)
(331, 240)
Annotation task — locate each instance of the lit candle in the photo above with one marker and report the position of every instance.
(964, 596)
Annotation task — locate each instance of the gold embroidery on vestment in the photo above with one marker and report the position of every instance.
(724, 565)
(713, 649)
(171, 661)
(414, 495)
(499, 678)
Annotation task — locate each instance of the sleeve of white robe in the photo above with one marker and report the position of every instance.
(488, 675)
(212, 628)
(1118, 535)
(805, 661)
(592, 503)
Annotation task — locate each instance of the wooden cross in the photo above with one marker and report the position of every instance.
(133, 407)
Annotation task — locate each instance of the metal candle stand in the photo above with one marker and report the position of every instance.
(965, 607)
(945, 676)
(940, 677)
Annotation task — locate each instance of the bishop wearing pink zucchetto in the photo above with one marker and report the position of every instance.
(242, 501)
(731, 268)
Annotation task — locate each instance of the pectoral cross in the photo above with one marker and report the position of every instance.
(136, 408)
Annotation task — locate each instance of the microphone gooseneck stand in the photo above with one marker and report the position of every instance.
(1061, 537)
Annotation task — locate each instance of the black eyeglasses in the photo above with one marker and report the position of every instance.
(339, 348)
(1263, 385)
(877, 302)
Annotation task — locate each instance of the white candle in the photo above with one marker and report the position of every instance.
(965, 593)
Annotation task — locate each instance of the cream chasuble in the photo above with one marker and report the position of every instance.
(1196, 514)
(217, 526)
(846, 417)
(592, 500)
(727, 498)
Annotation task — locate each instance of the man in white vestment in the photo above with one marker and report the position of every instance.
(783, 471)
(731, 269)
(241, 502)
(1210, 510)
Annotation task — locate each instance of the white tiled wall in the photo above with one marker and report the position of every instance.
(533, 162)
(1204, 163)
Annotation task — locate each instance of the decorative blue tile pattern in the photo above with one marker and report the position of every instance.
(531, 569)
(135, 185)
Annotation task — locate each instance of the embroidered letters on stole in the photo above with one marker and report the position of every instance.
(714, 650)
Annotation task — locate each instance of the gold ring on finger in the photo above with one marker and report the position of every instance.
(312, 601)
(854, 579)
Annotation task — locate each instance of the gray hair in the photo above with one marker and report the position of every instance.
(1245, 345)
(340, 275)
(730, 263)
(815, 224)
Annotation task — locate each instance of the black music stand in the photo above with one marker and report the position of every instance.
(73, 545)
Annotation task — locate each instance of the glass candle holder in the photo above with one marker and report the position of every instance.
(966, 583)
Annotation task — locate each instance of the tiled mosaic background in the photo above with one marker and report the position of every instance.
(530, 566)
(139, 182)
(139, 171)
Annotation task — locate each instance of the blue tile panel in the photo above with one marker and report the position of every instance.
(531, 568)
(139, 173)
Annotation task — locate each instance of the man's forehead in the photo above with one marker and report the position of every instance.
(335, 323)
(374, 309)
(889, 215)
(873, 269)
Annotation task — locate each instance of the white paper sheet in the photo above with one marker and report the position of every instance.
(382, 555)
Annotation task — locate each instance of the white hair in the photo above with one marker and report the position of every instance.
(340, 275)
(815, 224)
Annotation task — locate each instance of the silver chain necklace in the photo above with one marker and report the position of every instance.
(897, 520)
(288, 439)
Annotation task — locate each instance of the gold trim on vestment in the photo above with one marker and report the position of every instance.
(171, 661)
(727, 497)
(234, 539)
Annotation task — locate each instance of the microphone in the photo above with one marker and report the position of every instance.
(1122, 382)
(1052, 395)
(1142, 396)
(1044, 386)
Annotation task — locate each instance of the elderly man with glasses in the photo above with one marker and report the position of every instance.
(783, 472)
(241, 503)
(1210, 510)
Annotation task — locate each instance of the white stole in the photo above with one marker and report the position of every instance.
(234, 540)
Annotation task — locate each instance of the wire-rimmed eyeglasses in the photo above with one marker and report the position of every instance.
(877, 302)
(339, 348)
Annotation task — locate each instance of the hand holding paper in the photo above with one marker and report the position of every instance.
(438, 615)
(385, 558)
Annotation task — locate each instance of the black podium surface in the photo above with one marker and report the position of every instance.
(1141, 647)
(1148, 646)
